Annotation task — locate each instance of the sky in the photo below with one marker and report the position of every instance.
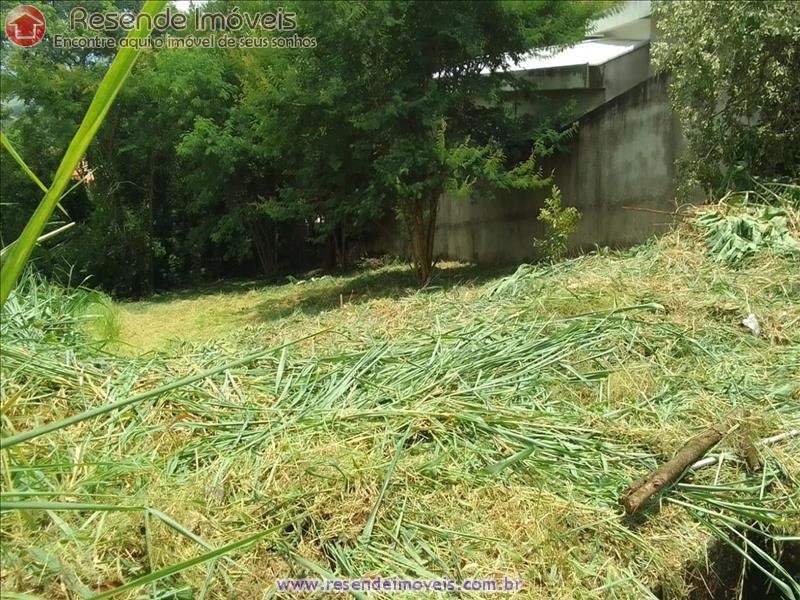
(184, 4)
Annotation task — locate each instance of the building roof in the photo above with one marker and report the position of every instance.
(612, 36)
(622, 19)
(588, 52)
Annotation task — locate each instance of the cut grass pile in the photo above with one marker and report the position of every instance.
(474, 431)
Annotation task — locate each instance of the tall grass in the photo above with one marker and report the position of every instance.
(47, 313)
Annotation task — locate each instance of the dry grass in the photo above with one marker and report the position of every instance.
(506, 416)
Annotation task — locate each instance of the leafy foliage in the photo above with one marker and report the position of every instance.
(107, 91)
(151, 207)
(219, 161)
(41, 312)
(734, 88)
(741, 230)
(560, 222)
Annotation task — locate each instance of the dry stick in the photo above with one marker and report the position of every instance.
(655, 211)
(641, 491)
(747, 448)
(780, 437)
(750, 453)
(712, 460)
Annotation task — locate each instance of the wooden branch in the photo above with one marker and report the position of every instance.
(655, 211)
(747, 448)
(712, 460)
(751, 456)
(780, 437)
(638, 493)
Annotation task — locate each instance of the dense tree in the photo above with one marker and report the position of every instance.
(45, 92)
(214, 161)
(405, 101)
(139, 211)
(735, 82)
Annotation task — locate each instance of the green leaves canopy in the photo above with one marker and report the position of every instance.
(734, 86)
(216, 160)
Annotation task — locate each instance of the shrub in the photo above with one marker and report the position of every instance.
(39, 311)
(559, 222)
(734, 83)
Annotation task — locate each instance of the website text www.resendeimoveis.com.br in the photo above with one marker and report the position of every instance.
(394, 584)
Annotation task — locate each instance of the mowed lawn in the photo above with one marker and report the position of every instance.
(480, 428)
(386, 292)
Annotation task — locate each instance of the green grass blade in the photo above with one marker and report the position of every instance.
(15, 155)
(495, 468)
(193, 562)
(42, 238)
(322, 572)
(365, 535)
(177, 383)
(173, 524)
(98, 109)
(14, 505)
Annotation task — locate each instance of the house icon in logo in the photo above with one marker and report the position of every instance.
(25, 25)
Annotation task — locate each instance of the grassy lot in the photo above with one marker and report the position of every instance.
(207, 313)
(480, 428)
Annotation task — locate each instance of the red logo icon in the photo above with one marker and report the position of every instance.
(25, 25)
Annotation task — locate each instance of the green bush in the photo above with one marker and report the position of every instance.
(39, 311)
(733, 85)
(559, 222)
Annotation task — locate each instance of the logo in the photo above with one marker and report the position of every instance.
(25, 25)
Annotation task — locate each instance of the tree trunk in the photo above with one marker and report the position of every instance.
(420, 217)
(264, 244)
(339, 238)
(151, 235)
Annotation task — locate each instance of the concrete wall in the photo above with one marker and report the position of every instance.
(622, 155)
(622, 73)
(588, 86)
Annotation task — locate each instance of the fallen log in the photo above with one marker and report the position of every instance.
(638, 493)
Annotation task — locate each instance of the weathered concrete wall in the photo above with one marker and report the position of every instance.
(622, 155)
(623, 73)
(587, 86)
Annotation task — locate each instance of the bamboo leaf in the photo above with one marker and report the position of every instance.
(40, 239)
(15, 155)
(322, 572)
(495, 468)
(374, 513)
(98, 109)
